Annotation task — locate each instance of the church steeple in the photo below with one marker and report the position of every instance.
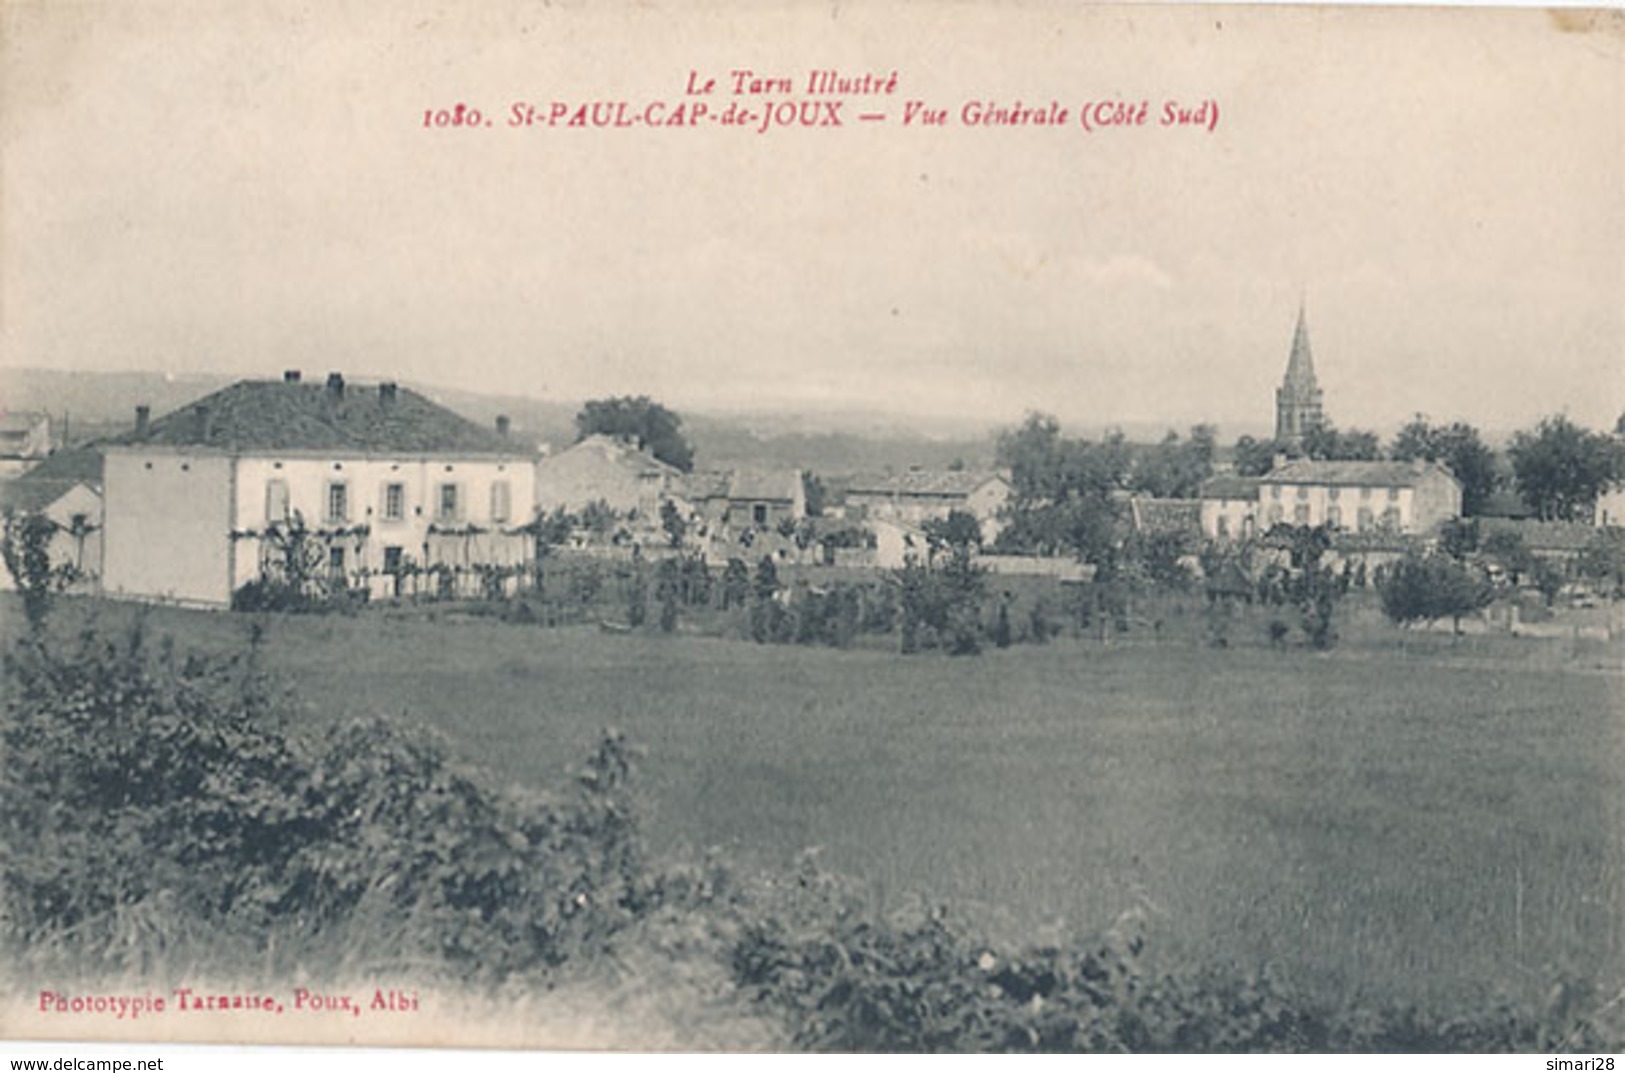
(1298, 407)
(1300, 367)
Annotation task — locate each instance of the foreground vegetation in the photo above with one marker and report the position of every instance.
(167, 808)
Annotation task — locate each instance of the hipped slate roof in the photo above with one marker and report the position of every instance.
(1367, 474)
(778, 486)
(612, 450)
(1230, 487)
(52, 479)
(279, 415)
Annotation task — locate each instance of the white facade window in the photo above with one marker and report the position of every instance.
(1300, 514)
(335, 562)
(501, 501)
(1365, 518)
(394, 502)
(276, 500)
(448, 504)
(338, 501)
(1334, 516)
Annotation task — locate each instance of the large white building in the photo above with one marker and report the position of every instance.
(382, 482)
(1398, 497)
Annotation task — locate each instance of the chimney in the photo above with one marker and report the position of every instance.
(205, 423)
(143, 417)
(502, 425)
(386, 393)
(335, 386)
(290, 376)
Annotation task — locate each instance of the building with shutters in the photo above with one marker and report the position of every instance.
(365, 484)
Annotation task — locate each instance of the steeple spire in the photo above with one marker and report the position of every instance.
(1297, 401)
(1300, 367)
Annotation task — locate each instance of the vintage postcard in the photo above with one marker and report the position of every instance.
(805, 526)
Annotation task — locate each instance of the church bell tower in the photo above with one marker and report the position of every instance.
(1298, 407)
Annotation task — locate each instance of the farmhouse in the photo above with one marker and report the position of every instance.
(378, 481)
(1402, 497)
(603, 468)
(1559, 543)
(66, 489)
(916, 496)
(749, 499)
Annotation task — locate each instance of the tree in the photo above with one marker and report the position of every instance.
(1062, 490)
(637, 597)
(1423, 588)
(812, 490)
(668, 591)
(598, 517)
(1508, 550)
(671, 520)
(1175, 469)
(1603, 560)
(1459, 538)
(764, 613)
(1325, 442)
(641, 421)
(959, 529)
(735, 584)
(1001, 624)
(1161, 555)
(964, 584)
(1561, 468)
(1254, 458)
(1458, 447)
(27, 550)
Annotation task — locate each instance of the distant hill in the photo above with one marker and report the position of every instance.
(103, 403)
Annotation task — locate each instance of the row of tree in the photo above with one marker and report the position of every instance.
(1558, 468)
(1064, 487)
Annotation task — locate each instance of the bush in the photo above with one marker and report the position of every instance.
(1427, 587)
(152, 802)
(849, 979)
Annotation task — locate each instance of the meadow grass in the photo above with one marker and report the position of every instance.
(1373, 826)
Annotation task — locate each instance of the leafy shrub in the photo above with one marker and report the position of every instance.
(848, 979)
(152, 801)
(1427, 587)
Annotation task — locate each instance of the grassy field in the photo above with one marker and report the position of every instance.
(1370, 824)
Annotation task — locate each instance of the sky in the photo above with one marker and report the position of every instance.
(244, 188)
